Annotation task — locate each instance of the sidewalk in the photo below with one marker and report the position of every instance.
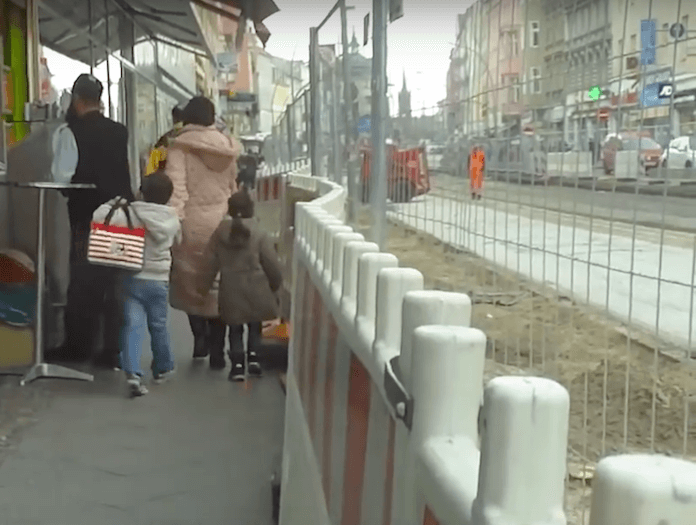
(196, 450)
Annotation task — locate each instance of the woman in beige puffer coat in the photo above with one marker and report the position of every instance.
(202, 163)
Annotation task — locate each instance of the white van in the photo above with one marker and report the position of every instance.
(434, 155)
(682, 153)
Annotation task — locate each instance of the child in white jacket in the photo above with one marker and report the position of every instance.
(146, 294)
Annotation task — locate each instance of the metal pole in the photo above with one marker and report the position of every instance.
(91, 43)
(289, 120)
(672, 132)
(336, 127)
(40, 279)
(107, 16)
(157, 113)
(378, 183)
(326, 18)
(352, 211)
(314, 94)
(307, 137)
(130, 99)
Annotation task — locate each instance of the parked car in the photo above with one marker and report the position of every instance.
(435, 153)
(681, 153)
(650, 151)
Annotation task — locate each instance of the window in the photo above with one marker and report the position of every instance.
(514, 43)
(665, 34)
(534, 34)
(279, 77)
(535, 74)
(634, 43)
(516, 89)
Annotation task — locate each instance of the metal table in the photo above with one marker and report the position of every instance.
(39, 368)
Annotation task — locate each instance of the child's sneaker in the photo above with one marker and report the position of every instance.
(253, 364)
(237, 372)
(135, 385)
(161, 377)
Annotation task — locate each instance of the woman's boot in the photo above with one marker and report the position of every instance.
(253, 346)
(216, 343)
(199, 327)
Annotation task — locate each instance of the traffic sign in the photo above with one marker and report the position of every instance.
(648, 30)
(396, 9)
(364, 125)
(366, 29)
(603, 114)
(650, 95)
(677, 30)
(665, 90)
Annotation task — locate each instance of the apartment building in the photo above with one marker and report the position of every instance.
(505, 21)
(471, 83)
(537, 81)
(675, 61)
(457, 79)
(589, 40)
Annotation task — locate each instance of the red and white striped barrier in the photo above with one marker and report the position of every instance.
(386, 406)
(271, 182)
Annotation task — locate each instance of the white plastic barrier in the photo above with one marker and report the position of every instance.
(627, 165)
(384, 388)
(383, 392)
(569, 163)
(644, 490)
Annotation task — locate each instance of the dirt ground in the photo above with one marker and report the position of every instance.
(533, 331)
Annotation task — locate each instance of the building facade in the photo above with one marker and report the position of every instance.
(675, 61)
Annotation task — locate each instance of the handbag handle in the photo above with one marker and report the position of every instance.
(123, 205)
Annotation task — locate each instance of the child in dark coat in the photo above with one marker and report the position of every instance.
(250, 277)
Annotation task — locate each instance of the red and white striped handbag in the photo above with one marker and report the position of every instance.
(117, 246)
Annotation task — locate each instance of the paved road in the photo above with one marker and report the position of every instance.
(197, 450)
(679, 213)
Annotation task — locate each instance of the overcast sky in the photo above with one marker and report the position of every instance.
(419, 43)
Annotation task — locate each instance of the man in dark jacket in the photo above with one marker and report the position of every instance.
(102, 146)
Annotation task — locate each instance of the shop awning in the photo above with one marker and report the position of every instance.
(64, 25)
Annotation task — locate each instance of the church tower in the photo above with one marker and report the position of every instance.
(404, 101)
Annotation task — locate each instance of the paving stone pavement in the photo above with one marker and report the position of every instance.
(195, 450)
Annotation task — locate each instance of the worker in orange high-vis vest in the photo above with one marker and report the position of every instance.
(477, 165)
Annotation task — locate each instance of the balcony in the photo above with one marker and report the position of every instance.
(512, 109)
(511, 66)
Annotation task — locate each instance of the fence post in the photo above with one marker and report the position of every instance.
(524, 441)
(369, 267)
(340, 241)
(429, 307)
(392, 286)
(353, 252)
(448, 363)
(317, 216)
(329, 234)
(423, 307)
(644, 490)
(321, 245)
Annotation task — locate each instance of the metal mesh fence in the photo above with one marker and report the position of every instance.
(579, 249)
(580, 254)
